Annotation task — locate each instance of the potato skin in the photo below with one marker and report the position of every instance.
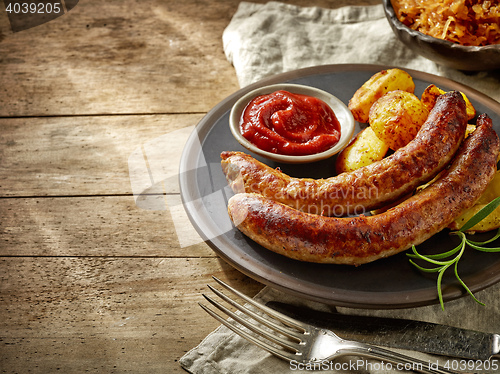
(431, 93)
(377, 86)
(396, 118)
(366, 148)
(489, 223)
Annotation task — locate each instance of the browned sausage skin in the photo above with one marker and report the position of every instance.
(367, 188)
(359, 240)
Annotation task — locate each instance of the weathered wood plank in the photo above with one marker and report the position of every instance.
(62, 156)
(73, 315)
(118, 57)
(94, 226)
(122, 56)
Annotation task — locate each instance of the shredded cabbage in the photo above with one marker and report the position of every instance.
(465, 22)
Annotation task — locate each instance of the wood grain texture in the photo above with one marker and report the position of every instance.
(101, 226)
(160, 57)
(73, 315)
(125, 56)
(89, 155)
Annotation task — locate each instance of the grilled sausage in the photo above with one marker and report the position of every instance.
(367, 188)
(362, 239)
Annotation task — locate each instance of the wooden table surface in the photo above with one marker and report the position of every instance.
(90, 282)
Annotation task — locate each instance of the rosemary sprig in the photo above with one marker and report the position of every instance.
(439, 259)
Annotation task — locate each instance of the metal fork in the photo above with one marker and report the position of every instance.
(302, 343)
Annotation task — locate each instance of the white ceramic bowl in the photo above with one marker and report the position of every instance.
(341, 111)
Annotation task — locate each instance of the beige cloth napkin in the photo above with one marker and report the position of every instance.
(266, 39)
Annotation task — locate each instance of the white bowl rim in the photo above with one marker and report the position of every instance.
(342, 112)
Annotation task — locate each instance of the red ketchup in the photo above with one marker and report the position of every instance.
(290, 124)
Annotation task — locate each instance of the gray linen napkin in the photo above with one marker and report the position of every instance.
(262, 40)
(223, 352)
(266, 39)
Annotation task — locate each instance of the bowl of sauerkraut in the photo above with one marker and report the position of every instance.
(460, 34)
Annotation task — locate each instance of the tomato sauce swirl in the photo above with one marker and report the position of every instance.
(290, 124)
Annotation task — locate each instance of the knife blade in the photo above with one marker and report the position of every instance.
(400, 333)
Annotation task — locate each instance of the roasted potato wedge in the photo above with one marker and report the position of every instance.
(469, 130)
(377, 86)
(396, 118)
(431, 93)
(492, 221)
(492, 191)
(363, 150)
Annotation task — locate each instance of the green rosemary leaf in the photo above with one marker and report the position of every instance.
(486, 241)
(483, 249)
(430, 258)
(451, 252)
(465, 286)
(426, 270)
(439, 280)
(482, 214)
(444, 265)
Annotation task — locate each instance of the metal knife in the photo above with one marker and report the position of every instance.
(400, 333)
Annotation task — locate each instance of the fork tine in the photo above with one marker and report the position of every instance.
(289, 356)
(253, 327)
(282, 329)
(271, 312)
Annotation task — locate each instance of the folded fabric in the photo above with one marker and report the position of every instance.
(223, 352)
(265, 39)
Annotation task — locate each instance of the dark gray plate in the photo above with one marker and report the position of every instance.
(387, 283)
